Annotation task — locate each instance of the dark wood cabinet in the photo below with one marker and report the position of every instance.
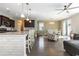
(12, 23)
(28, 24)
(6, 21)
(0, 21)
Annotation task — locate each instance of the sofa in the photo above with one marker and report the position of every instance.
(72, 46)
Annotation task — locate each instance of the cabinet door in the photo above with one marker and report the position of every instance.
(27, 24)
(6, 21)
(12, 45)
(0, 21)
(12, 23)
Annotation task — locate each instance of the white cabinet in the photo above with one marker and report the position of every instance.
(12, 45)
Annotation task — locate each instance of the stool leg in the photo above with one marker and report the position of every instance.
(28, 49)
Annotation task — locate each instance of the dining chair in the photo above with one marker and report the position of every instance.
(31, 37)
(28, 44)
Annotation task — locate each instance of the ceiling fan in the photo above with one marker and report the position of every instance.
(67, 8)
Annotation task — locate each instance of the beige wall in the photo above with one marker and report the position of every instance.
(20, 25)
(75, 23)
(55, 26)
(50, 27)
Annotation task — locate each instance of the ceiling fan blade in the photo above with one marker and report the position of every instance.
(69, 5)
(60, 12)
(58, 9)
(73, 8)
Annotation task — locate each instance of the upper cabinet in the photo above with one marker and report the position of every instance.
(28, 24)
(6, 21)
(0, 21)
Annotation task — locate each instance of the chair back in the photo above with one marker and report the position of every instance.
(31, 35)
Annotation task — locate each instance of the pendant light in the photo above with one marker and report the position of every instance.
(30, 15)
(27, 12)
(22, 15)
(27, 19)
(30, 21)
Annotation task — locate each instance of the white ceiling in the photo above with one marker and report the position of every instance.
(40, 11)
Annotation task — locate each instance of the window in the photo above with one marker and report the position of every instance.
(67, 27)
(41, 26)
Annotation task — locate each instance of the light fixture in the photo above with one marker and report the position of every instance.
(8, 8)
(27, 19)
(22, 15)
(51, 22)
(30, 15)
(27, 12)
(30, 21)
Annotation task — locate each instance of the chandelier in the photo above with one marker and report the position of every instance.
(27, 12)
(22, 15)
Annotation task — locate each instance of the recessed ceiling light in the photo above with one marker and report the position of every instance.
(51, 22)
(8, 8)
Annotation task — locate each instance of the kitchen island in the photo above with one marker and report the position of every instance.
(13, 43)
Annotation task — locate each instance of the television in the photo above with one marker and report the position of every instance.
(28, 24)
